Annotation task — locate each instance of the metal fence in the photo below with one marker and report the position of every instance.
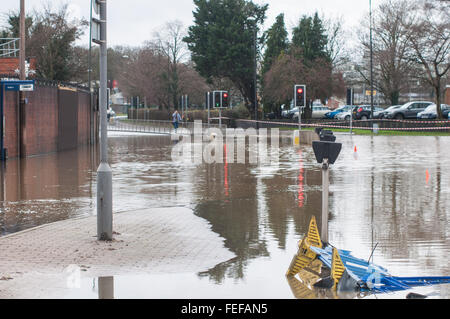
(118, 124)
(369, 125)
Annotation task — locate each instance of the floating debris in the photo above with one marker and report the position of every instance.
(346, 272)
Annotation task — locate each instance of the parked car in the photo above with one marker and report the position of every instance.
(408, 110)
(431, 112)
(318, 112)
(332, 114)
(291, 112)
(270, 116)
(382, 114)
(344, 116)
(364, 112)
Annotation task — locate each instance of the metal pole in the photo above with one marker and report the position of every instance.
(22, 41)
(255, 77)
(104, 172)
(300, 118)
(325, 190)
(21, 99)
(371, 64)
(209, 108)
(91, 110)
(351, 111)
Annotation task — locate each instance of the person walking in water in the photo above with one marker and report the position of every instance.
(176, 118)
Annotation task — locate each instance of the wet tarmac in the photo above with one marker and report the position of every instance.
(390, 191)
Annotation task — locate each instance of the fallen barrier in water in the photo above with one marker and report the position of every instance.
(320, 265)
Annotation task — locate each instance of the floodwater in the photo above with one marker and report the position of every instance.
(389, 192)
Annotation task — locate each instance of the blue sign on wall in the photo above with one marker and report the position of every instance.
(18, 85)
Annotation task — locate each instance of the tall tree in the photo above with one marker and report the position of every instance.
(51, 41)
(221, 41)
(429, 24)
(310, 37)
(276, 42)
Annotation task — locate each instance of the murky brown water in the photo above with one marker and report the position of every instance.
(393, 191)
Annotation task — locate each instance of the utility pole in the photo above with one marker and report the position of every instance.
(91, 111)
(371, 64)
(255, 75)
(22, 41)
(22, 76)
(104, 172)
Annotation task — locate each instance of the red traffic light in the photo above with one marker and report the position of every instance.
(300, 91)
(225, 95)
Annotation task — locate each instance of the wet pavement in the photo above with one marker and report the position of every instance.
(392, 191)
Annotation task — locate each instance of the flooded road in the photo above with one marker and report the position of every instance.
(390, 191)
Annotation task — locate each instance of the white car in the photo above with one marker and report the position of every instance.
(344, 116)
(431, 111)
(318, 112)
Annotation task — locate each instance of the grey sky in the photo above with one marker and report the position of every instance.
(131, 22)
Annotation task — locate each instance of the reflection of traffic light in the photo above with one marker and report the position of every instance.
(225, 102)
(300, 94)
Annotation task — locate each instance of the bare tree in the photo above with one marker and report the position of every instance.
(289, 69)
(336, 46)
(429, 24)
(169, 42)
(391, 41)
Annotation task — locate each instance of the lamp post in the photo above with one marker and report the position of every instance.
(22, 40)
(104, 172)
(255, 67)
(371, 63)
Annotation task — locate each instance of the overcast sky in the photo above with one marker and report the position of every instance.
(131, 22)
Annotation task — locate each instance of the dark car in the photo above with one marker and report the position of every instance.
(362, 112)
(408, 111)
(270, 116)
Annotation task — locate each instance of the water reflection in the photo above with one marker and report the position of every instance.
(44, 189)
(106, 288)
(382, 196)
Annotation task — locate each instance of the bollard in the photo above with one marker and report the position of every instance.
(325, 198)
(326, 152)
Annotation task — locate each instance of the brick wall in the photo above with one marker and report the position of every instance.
(10, 113)
(10, 65)
(40, 125)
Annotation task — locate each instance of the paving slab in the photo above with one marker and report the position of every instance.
(41, 262)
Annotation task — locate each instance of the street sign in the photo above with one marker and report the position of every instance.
(23, 86)
(96, 28)
(96, 7)
(26, 87)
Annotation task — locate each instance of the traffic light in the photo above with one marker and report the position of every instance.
(300, 95)
(225, 101)
(217, 102)
(220, 99)
(350, 96)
